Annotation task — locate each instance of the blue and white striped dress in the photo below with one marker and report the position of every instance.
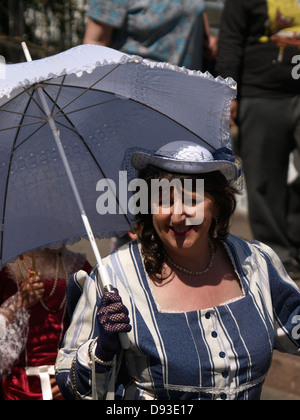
(223, 352)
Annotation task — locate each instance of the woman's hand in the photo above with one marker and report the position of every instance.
(283, 42)
(112, 319)
(31, 290)
(57, 395)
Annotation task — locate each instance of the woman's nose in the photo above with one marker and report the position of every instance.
(178, 218)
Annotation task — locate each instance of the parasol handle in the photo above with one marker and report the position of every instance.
(124, 339)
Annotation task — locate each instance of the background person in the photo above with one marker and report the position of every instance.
(160, 30)
(14, 317)
(257, 42)
(47, 319)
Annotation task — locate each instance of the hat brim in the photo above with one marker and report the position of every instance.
(140, 160)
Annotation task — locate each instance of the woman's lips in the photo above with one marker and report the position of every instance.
(181, 231)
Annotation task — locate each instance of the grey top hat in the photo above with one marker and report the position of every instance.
(188, 158)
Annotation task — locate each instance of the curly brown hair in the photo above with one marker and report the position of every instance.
(224, 197)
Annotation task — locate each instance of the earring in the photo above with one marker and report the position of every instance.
(216, 234)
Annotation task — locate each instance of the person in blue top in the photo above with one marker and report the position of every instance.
(161, 30)
(203, 309)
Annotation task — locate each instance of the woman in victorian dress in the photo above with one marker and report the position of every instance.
(38, 326)
(203, 309)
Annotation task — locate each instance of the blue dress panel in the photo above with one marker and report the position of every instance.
(223, 352)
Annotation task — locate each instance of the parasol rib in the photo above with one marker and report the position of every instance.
(58, 93)
(30, 135)
(102, 173)
(7, 181)
(104, 102)
(89, 88)
(9, 111)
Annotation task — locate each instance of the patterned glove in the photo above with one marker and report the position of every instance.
(112, 319)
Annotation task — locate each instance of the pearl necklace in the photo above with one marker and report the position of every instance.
(195, 273)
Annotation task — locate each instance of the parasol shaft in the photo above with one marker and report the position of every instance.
(101, 267)
(34, 271)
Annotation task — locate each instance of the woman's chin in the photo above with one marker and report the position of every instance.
(182, 240)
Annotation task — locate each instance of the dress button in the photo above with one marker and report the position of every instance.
(222, 355)
(214, 334)
(223, 396)
(225, 374)
(207, 316)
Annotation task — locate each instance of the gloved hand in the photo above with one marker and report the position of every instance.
(112, 319)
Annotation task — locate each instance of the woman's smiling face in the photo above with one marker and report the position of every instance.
(176, 229)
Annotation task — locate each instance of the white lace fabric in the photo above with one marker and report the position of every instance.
(13, 332)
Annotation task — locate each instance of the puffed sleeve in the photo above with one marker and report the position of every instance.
(111, 12)
(286, 304)
(14, 321)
